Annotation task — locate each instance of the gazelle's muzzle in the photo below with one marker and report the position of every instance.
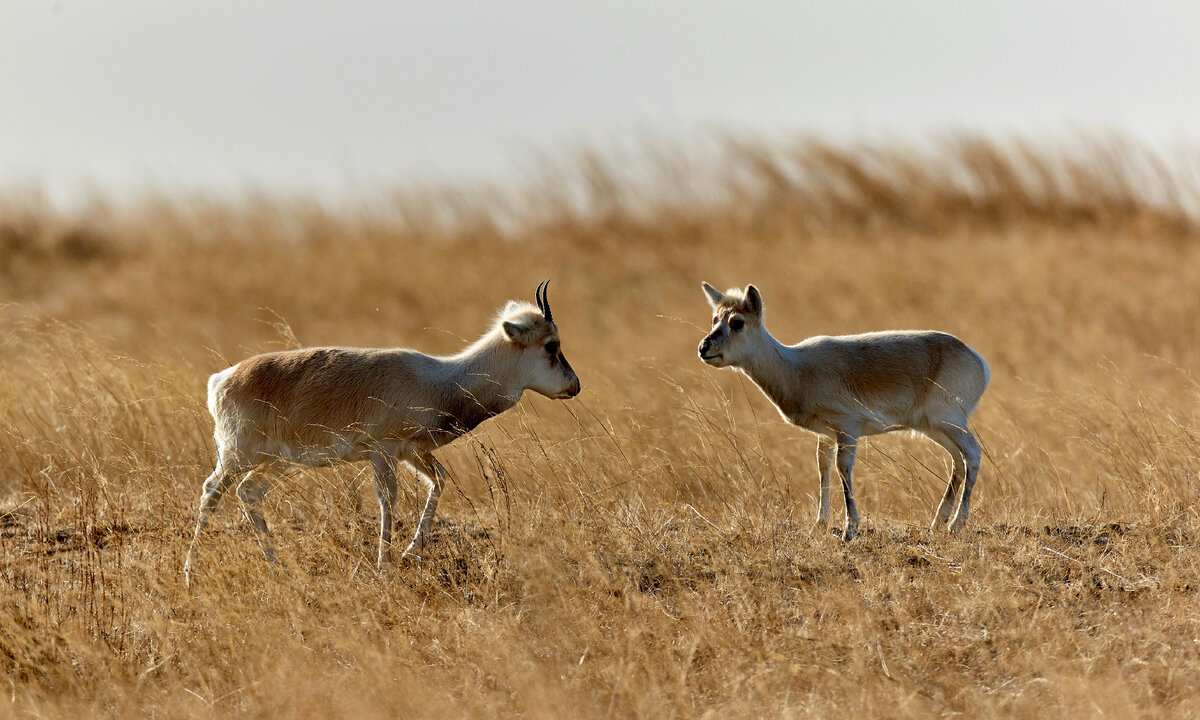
(705, 351)
(574, 388)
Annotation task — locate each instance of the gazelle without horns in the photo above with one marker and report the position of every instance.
(845, 387)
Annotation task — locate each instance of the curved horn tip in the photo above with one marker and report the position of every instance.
(537, 297)
(545, 304)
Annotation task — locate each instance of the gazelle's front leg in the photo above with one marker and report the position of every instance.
(435, 476)
(826, 452)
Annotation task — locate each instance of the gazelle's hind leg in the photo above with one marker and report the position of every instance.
(950, 499)
(214, 488)
(968, 445)
(251, 491)
(386, 491)
(846, 446)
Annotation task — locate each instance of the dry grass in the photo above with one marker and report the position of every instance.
(644, 550)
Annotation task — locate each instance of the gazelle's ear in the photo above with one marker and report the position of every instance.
(510, 306)
(713, 295)
(516, 332)
(754, 302)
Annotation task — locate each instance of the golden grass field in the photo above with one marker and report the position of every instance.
(645, 550)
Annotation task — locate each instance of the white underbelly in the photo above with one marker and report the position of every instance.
(343, 450)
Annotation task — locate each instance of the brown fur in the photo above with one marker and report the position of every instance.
(324, 405)
(312, 397)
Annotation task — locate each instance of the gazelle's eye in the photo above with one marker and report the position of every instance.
(552, 349)
(736, 324)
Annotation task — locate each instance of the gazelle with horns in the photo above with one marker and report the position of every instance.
(845, 387)
(328, 405)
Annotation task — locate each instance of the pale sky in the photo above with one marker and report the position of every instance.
(336, 97)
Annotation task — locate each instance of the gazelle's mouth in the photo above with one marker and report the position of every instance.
(569, 393)
(710, 359)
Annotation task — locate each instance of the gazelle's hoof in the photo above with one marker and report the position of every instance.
(849, 533)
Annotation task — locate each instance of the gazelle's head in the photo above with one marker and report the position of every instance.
(737, 327)
(532, 331)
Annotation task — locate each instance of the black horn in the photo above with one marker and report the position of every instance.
(542, 302)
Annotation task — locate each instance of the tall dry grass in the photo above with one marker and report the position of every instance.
(646, 549)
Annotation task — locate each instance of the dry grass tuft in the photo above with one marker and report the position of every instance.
(646, 549)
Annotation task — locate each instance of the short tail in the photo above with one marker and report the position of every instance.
(214, 383)
(987, 371)
(970, 403)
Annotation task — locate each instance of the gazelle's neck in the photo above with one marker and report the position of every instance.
(488, 371)
(773, 367)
